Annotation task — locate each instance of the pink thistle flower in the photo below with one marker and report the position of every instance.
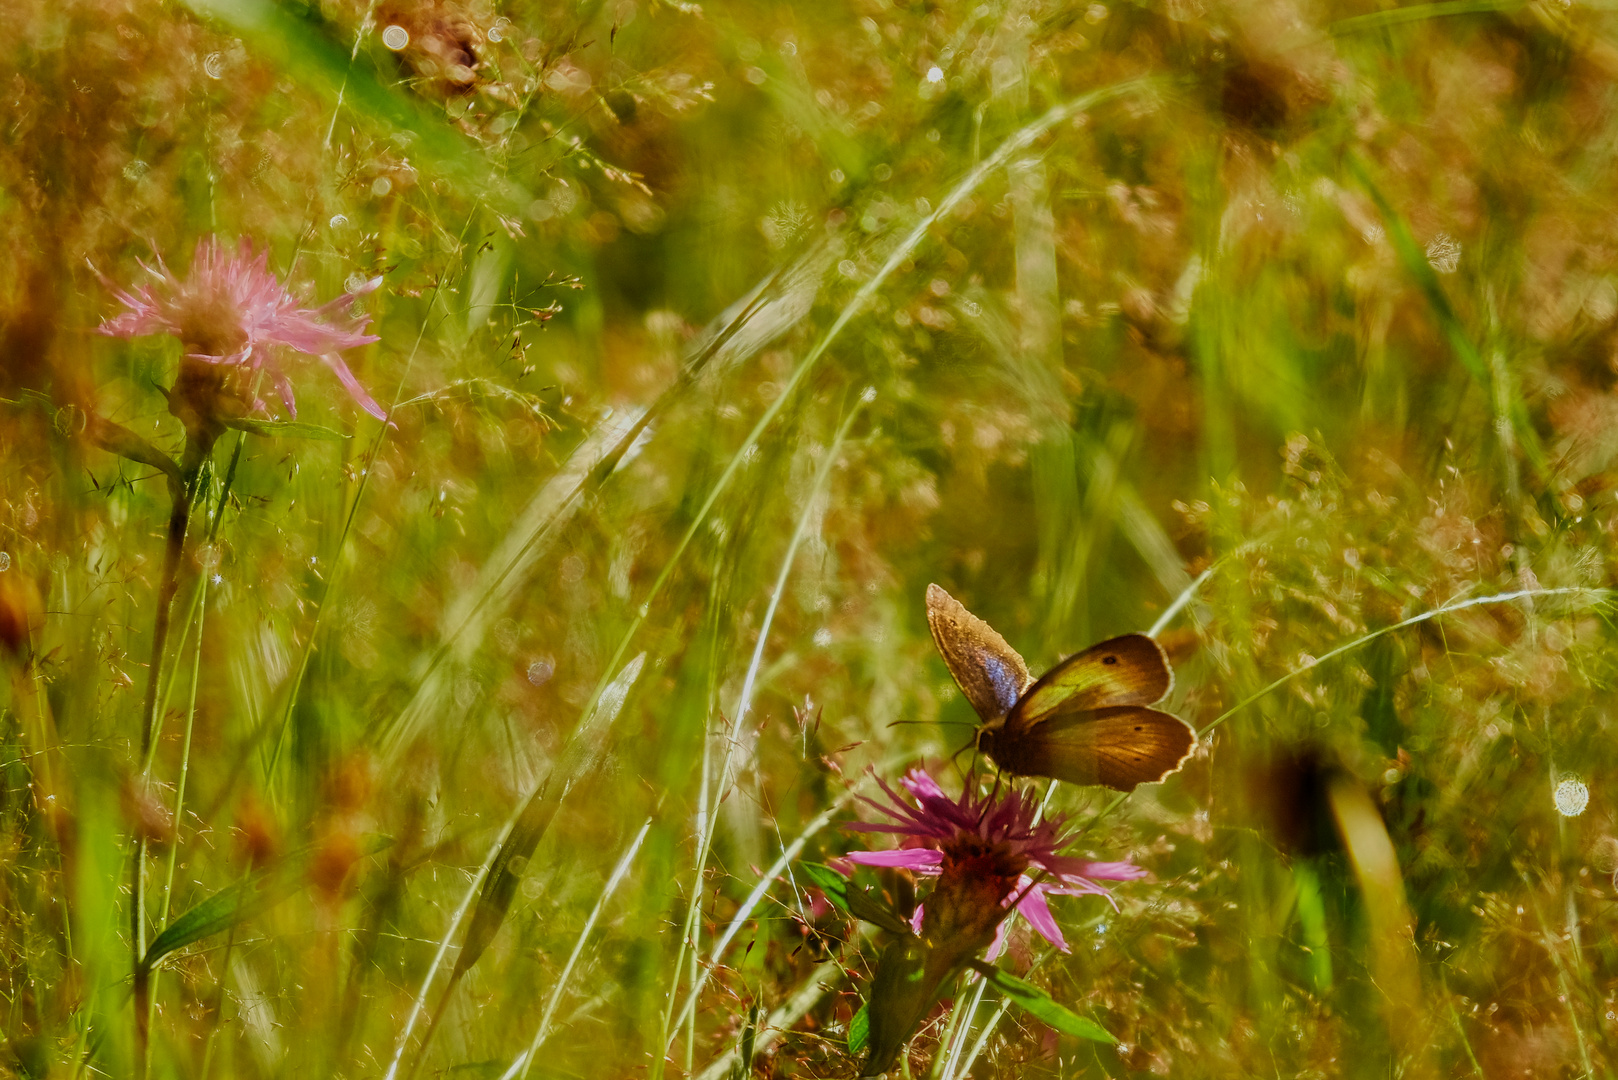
(984, 849)
(231, 314)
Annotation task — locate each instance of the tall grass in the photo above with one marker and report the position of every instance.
(490, 741)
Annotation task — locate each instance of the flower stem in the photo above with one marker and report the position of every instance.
(174, 547)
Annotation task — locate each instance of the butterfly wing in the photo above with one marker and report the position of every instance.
(1116, 746)
(1086, 722)
(988, 671)
(1127, 670)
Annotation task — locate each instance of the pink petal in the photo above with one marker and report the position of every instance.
(997, 944)
(352, 385)
(1080, 887)
(920, 859)
(921, 785)
(1066, 867)
(915, 919)
(283, 388)
(1038, 913)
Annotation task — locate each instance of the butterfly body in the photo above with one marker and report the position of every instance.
(1086, 721)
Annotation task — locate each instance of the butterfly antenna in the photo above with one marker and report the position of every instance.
(955, 758)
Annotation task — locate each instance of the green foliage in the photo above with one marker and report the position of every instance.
(1041, 1005)
(710, 337)
(229, 907)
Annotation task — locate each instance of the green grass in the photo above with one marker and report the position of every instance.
(492, 742)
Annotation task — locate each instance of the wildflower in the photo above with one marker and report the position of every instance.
(989, 855)
(984, 849)
(231, 314)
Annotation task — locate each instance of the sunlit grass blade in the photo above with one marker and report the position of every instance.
(584, 751)
(465, 624)
(419, 1003)
(743, 706)
(1595, 596)
(526, 1059)
(1393, 960)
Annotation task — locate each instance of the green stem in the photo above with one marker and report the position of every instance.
(168, 585)
(185, 764)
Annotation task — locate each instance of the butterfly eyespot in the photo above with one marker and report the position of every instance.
(1139, 728)
(1109, 659)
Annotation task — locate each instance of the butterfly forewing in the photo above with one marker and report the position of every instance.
(1127, 670)
(1118, 747)
(988, 671)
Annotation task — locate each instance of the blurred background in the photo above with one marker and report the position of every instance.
(710, 335)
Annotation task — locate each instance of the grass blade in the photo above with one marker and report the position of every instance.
(309, 55)
(617, 877)
(585, 749)
(237, 903)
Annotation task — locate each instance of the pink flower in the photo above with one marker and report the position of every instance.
(993, 843)
(231, 314)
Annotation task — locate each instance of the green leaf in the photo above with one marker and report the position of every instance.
(286, 429)
(868, 905)
(829, 881)
(239, 902)
(224, 909)
(859, 1029)
(1041, 1005)
(117, 439)
(855, 900)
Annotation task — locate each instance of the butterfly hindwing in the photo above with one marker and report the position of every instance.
(1118, 747)
(988, 671)
(1126, 670)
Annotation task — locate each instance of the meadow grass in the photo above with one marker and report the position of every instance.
(503, 738)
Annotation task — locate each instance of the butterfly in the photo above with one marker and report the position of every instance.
(1085, 721)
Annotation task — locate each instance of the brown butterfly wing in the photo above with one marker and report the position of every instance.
(988, 671)
(1126, 670)
(1118, 747)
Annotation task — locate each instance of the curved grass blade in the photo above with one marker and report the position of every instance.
(299, 47)
(420, 1002)
(618, 873)
(466, 623)
(584, 750)
(744, 703)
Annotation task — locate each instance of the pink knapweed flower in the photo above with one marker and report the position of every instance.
(234, 316)
(984, 847)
